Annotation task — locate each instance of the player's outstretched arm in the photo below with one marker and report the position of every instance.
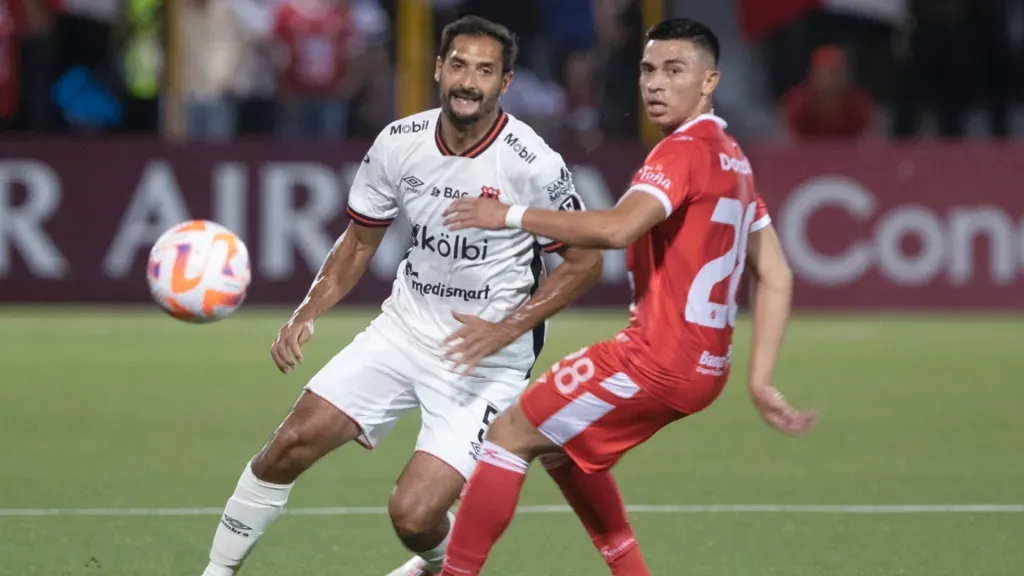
(773, 288)
(617, 227)
(340, 272)
(479, 338)
(579, 271)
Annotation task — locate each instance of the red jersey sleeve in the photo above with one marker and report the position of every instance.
(761, 216)
(675, 172)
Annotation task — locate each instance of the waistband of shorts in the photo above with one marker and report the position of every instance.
(393, 329)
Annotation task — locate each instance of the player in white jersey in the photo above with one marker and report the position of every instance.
(465, 321)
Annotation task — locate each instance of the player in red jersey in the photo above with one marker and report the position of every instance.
(691, 221)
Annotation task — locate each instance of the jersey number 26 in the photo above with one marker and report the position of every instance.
(699, 307)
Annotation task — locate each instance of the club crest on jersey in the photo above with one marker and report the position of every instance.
(488, 192)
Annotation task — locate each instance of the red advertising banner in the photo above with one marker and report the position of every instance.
(77, 219)
(873, 226)
(886, 226)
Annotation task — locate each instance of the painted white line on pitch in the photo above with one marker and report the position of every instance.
(557, 509)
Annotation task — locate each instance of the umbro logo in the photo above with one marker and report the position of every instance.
(235, 526)
(411, 185)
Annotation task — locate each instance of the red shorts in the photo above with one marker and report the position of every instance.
(587, 404)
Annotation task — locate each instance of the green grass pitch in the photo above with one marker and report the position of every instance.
(117, 409)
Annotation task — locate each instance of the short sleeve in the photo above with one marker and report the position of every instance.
(371, 200)
(671, 171)
(551, 188)
(761, 216)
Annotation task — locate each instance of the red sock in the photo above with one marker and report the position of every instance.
(596, 500)
(488, 504)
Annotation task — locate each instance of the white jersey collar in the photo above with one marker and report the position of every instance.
(703, 117)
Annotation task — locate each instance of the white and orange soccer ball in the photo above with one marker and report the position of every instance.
(198, 271)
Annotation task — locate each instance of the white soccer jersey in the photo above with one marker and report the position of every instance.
(479, 272)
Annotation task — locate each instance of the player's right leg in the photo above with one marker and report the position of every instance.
(358, 395)
(312, 429)
(588, 405)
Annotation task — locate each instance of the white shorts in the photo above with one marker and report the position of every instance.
(381, 375)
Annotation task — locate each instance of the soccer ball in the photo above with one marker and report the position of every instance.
(198, 271)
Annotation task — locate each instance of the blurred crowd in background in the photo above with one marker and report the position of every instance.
(325, 69)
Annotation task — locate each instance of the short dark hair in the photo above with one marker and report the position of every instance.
(686, 29)
(482, 27)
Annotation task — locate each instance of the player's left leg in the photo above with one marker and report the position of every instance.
(490, 499)
(420, 512)
(454, 423)
(596, 499)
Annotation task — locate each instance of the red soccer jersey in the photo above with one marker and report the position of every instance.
(850, 117)
(316, 34)
(686, 270)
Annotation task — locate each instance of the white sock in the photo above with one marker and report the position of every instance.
(253, 506)
(435, 557)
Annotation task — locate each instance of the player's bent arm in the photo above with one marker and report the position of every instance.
(617, 227)
(577, 273)
(341, 270)
(772, 290)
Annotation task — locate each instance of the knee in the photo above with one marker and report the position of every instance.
(308, 433)
(514, 432)
(555, 463)
(414, 517)
(287, 453)
(504, 431)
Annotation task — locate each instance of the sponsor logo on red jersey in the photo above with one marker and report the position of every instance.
(712, 365)
(655, 176)
(738, 165)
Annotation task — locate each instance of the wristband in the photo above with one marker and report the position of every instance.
(514, 217)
